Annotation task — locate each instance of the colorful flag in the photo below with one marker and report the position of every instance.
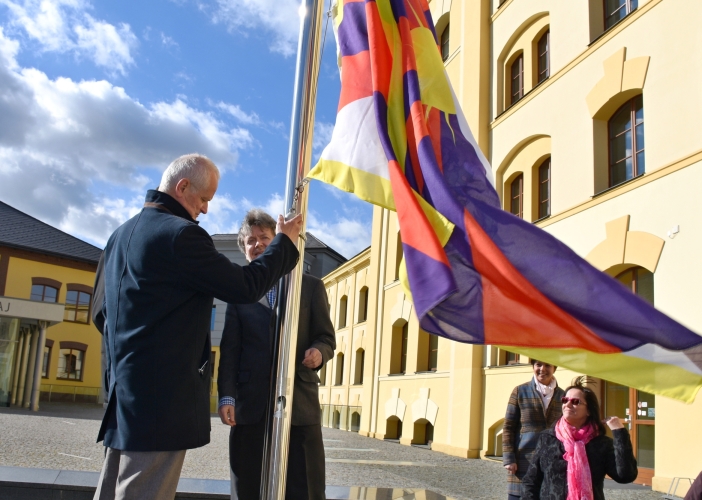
(475, 272)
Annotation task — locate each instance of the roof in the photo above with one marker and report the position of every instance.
(22, 231)
(312, 243)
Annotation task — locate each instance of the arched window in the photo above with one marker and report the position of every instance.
(398, 256)
(358, 369)
(363, 304)
(616, 10)
(343, 303)
(423, 432)
(78, 303)
(640, 281)
(516, 189)
(355, 421)
(339, 374)
(336, 421)
(544, 189)
(543, 49)
(517, 79)
(45, 290)
(626, 142)
(71, 360)
(323, 374)
(398, 349)
(432, 362)
(444, 42)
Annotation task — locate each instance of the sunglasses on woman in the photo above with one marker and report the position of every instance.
(575, 401)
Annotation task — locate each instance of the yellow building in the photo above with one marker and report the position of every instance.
(586, 112)
(49, 347)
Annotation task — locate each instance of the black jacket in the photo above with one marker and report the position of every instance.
(546, 478)
(244, 368)
(161, 272)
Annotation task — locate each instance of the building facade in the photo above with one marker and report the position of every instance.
(585, 111)
(49, 347)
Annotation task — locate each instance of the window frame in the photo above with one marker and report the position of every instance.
(403, 350)
(46, 358)
(627, 5)
(631, 104)
(547, 54)
(444, 43)
(433, 352)
(73, 346)
(519, 178)
(546, 164)
(520, 78)
(343, 312)
(45, 283)
(69, 306)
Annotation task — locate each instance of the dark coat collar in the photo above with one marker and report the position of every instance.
(169, 203)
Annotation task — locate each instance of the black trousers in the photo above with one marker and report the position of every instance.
(306, 473)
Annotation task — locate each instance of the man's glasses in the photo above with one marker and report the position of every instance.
(575, 401)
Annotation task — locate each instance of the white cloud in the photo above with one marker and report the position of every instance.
(66, 146)
(66, 26)
(238, 113)
(322, 137)
(346, 236)
(278, 17)
(167, 41)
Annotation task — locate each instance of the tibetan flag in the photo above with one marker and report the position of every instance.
(475, 272)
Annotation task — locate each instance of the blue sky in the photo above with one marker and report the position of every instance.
(96, 98)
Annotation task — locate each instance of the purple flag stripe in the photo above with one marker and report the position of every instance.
(353, 31)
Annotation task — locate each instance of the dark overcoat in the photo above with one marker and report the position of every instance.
(245, 363)
(525, 418)
(546, 478)
(161, 272)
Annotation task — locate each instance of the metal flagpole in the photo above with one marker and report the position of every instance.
(275, 452)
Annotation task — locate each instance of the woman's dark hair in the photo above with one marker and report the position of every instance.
(593, 405)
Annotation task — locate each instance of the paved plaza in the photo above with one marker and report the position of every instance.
(62, 436)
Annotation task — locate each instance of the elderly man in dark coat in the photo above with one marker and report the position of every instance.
(161, 272)
(244, 377)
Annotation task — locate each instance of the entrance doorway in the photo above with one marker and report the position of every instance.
(639, 409)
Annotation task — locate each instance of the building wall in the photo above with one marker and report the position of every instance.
(19, 284)
(592, 73)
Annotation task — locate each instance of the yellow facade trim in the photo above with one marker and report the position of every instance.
(500, 10)
(671, 168)
(594, 47)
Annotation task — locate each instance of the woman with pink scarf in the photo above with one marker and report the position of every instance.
(573, 456)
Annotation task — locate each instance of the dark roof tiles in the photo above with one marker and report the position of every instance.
(19, 230)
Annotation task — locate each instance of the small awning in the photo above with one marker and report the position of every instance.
(51, 312)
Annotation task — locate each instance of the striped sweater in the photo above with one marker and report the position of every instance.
(524, 420)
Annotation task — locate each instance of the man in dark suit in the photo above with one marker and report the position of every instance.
(159, 276)
(244, 377)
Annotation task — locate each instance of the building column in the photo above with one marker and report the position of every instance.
(18, 365)
(38, 362)
(31, 361)
(23, 367)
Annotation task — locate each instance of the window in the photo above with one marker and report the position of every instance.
(358, 372)
(517, 75)
(308, 268)
(626, 142)
(445, 43)
(543, 52)
(640, 281)
(363, 304)
(45, 290)
(71, 361)
(323, 374)
(616, 10)
(432, 362)
(339, 375)
(398, 256)
(403, 359)
(78, 303)
(45, 365)
(545, 189)
(212, 317)
(516, 196)
(511, 358)
(343, 303)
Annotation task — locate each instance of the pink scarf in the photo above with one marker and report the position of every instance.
(574, 441)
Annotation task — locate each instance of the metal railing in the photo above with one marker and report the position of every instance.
(69, 393)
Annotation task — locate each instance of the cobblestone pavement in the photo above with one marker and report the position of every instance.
(62, 436)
